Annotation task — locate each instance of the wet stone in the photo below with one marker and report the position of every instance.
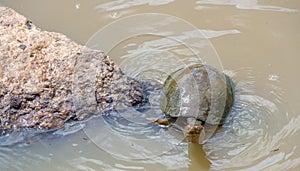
(41, 93)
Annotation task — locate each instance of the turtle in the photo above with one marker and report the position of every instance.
(198, 94)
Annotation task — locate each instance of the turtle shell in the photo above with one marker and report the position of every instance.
(198, 91)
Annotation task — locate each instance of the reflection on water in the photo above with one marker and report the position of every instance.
(246, 4)
(123, 4)
(240, 4)
(261, 132)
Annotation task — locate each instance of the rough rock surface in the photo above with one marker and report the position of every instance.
(43, 76)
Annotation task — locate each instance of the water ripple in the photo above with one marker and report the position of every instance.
(246, 4)
(124, 4)
(256, 129)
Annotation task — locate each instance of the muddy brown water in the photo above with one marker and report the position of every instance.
(257, 43)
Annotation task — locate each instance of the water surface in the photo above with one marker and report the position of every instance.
(257, 43)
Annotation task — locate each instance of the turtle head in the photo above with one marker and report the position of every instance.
(192, 132)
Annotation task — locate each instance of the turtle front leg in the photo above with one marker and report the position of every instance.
(164, 122)
(160, 121)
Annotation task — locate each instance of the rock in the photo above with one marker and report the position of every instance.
(45, 80)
